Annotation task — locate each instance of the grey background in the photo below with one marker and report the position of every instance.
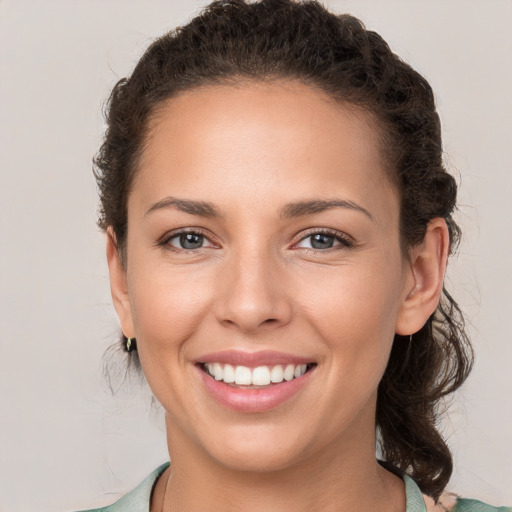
(65, 442)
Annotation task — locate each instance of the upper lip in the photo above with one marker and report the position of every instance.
(252, 359)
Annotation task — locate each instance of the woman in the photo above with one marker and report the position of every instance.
(278, 225)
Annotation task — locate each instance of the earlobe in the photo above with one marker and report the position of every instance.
(427, 266)
(118, 285)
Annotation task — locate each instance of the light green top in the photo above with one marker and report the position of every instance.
(138, 499)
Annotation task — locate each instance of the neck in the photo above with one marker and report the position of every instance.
(342, 477)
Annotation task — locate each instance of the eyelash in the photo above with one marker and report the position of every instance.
(165, 241)
(345, 242)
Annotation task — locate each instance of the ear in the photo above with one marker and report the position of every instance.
(424, 283)
(118, 285)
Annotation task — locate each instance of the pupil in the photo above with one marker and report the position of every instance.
(191, 241)
(321, 241)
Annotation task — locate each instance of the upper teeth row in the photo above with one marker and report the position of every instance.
(259, 376)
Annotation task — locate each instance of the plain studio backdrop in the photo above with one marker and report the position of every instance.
(65, 442)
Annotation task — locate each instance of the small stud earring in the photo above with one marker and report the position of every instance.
(131, 344)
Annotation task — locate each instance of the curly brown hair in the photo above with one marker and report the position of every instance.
(235, 40)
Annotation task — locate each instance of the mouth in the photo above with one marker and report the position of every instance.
(254, 382)
(260, 377)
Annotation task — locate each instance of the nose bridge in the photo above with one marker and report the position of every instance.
(252, 293)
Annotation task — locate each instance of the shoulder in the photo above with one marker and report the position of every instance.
(465, 505)
(451, 503)
(448, 502)
(138, 499)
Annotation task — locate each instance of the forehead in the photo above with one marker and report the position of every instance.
(255, 134)
(273, 104)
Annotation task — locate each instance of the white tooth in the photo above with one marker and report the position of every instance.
(297, 371)
(210, 368)
(289, 372)
(242, 376)
(261, 376)
(229, 374)
(303, 369)
(277, 375)
(217, 371)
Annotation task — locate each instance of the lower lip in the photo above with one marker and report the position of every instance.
(251, 399)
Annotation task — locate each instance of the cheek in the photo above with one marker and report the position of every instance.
(356, 317)
(167, 306)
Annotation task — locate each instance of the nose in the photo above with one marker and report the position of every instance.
(252, 293)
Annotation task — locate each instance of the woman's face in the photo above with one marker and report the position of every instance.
(263, 232)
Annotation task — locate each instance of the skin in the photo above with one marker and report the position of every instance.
(258, 284)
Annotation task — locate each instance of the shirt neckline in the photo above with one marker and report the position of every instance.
(413, 496)
(414, 501)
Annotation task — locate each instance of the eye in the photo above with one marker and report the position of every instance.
(322, 240)
(188, 241)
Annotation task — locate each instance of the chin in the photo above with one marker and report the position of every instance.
(250, 462)
(257, 449)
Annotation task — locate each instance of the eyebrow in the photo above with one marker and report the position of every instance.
(301, 208)
(290, 210)
(200, 208)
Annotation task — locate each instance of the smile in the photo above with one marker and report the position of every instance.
(259, 376)
(253, 382)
